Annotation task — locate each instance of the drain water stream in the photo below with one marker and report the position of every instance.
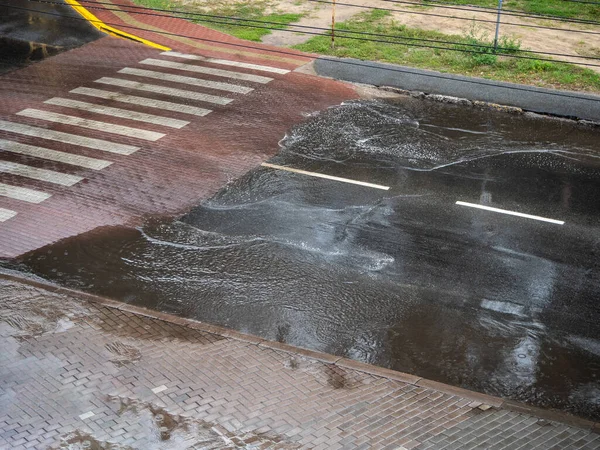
(403, 279)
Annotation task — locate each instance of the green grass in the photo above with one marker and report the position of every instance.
(484, 64)
(560, 8)
(253, 31)
(244, 9)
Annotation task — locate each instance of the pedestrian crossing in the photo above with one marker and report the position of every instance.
(173, 92)
(53, 155)
(91, 124)
(143, 101)
(67, 138)
(117, 112)
(6, 214)
(39, 174)
(207, 70)
(217, 85)
(23, 194)
(225, 62)
(174, 81)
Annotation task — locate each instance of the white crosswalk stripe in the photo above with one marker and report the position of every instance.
(91, 124)
(53, 155)
(23, 194)
(40, 132)
(207, 70)
(67, 138)
(187, 80)
(164, 90)
(35, 173)
(6, 214)
(226, 62)
(142, 101)
(117, 112)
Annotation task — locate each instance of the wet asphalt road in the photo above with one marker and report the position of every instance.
(403, 278)
(32, 30)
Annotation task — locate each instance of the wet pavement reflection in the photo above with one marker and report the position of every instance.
(31, 31)
(404, 279)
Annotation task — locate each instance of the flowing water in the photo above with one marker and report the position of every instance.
(402, 278)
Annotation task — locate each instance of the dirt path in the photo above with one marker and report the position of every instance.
(536, 39)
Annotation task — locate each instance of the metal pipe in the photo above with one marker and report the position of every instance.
(333, 24)
(498, 25)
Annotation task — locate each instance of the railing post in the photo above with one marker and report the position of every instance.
(498, 25)
(332, 23)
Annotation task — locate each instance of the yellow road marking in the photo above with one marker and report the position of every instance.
(111, 30)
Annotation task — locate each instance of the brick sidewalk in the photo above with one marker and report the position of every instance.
(79, 374)
(115, 132)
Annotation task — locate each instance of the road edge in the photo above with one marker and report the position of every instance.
(112, 31)
(569, 104)
(485, 399)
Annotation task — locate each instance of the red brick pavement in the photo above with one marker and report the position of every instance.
(185, 36)
(165, 177)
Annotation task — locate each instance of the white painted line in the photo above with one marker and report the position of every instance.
(53, 155)
(91, 124)
(158, 389)
(207, 70)
(186, 80)
(511, 213)
(327, 177)
(6, 214)
(24, 194)
(35, 173)
(144, 101)
(226, 62)
(117, 112)
(164, 90)
(67, 138)
(87, 415)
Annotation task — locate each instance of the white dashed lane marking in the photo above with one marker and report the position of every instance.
(164, 90)
(142, 101)
(117, 112)
(226, 62)
(24, 194)
(53, 155)
(35, 173)
(207, 70)
(67, 138)
(91, 124)
(218, 85)
(326, 177)
(510, 213)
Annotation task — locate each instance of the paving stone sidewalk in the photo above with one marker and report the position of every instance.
(76, 375)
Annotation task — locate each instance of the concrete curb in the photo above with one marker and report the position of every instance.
(486, 401)
(569, 104)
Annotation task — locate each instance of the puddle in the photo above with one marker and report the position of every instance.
(79, 440)
(124, 354)
(169, 431)
(27, 312)
(403, 279)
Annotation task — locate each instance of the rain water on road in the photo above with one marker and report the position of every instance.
(403, 278)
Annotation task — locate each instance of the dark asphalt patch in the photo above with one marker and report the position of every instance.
(31, 31)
